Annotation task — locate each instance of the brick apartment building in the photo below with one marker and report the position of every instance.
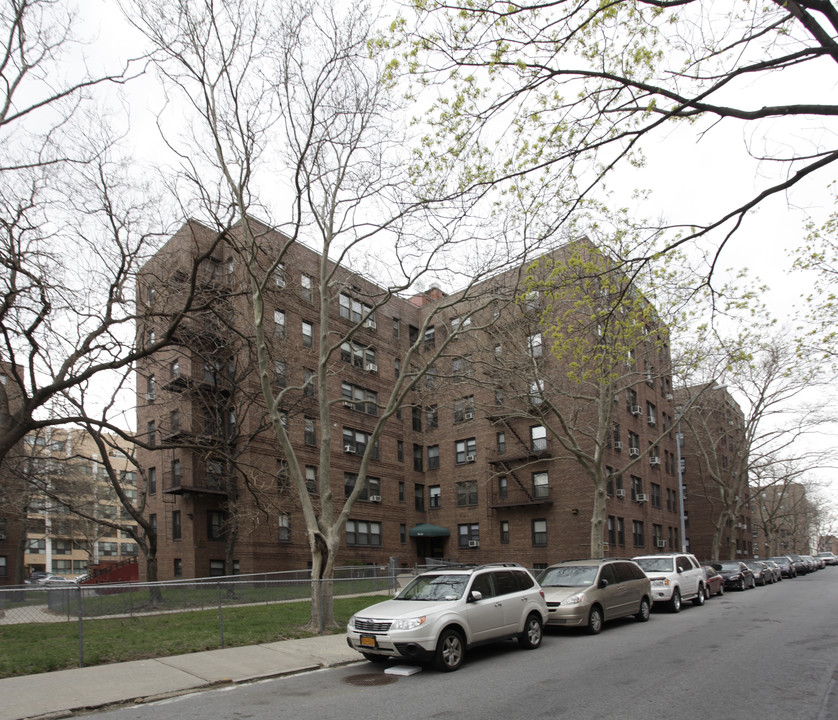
(714, 464)
(467, 470)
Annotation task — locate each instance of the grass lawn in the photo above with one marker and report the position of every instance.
(29, 648)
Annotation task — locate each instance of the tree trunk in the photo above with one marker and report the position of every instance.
(598, 519)
(322, 587)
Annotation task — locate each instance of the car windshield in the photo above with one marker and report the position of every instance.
(570, 576)
(731, 567)
(434, 587)
(656, 564)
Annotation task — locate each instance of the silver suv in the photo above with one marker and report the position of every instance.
(675, 577)
(443, 612)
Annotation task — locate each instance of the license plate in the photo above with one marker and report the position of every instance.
(368, 641)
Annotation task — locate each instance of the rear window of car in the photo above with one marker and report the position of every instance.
(505, 582)
(525, 580)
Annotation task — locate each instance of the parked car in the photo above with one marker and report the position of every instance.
(737, 575)
(800, 565)
(675, 577)
(444, 612)
(714, 583)
(829, 558)
(36, 577)
(810, 562)
(786, 564)
(762, 575)
(590, 592)
(775, 570)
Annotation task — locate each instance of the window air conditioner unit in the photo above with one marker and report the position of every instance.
(2, 536)
(470, 458)
(349, 404)
(468, 416)
(349, 448)
(474, 543)
(620, 492)
(661, 543)
(375, 498)
(642, 497)
(652, 421)
(618, 445)
(369, 324)
(149, 397)
(372, 367)
(635, 409)
(669, 396)
(634, 452)
(654, 460)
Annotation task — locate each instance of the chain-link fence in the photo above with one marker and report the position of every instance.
(45, 627)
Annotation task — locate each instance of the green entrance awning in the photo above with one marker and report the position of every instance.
(428, 530)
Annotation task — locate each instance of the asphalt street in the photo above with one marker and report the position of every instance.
(768, 653)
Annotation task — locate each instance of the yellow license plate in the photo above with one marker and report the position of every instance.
(368, 641)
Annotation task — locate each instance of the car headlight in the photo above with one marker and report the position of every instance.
(661, 582)
(407, 623)
(574, 599)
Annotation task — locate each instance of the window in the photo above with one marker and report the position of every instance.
(631, 400)
(108, 549)
(432, 417)
(501, 442)
(460, 324)
(308, 334)
(359, 398)
(536, 392)
(466, 493)
(504, 532)
(36, 547)
(539, 533)
(152, 521)
(503, 486)
(468, 535)
(151, 388)
(657, 535)
(498, 350)
(62, 547)
(419, 497)
(418, 452)
(360, 356)
(217, 568)
(612, 532)
(403, 534)
(152, 480)
(215, 525)
(177, 569)
(416, 418)
(401, 491)
(279, 323)
(308, 382)
(280, 374)
(363, 532)
(434, 496)
(412, 334)
(305, 287)
(397, 368)
(176, 528)
(637, 532)
(656, 495)
(279, 275)
(372, 488)
(534, 345)
(540, 485)
(175, 473)
(465, 450)
(311, 479)
(651, 414)
(396, 327)
(433, 457)
(538, 438)
(464, 409)
(499, 398)
(310, 432)
(400, 450)
(636, 487)
(430, 337)
(62, 567)
(621, 532)
(461, 368)
(634, 441)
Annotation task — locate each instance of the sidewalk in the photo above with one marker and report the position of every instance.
(62, 692)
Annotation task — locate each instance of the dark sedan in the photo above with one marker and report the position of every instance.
(786, 565)
(762, 574)
(737, 575)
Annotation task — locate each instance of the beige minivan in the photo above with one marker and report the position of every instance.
(587, 593)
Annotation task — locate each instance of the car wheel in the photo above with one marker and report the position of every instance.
(373, 658)
(644, 612)
(675, 601)
(530, 639)
(721, 589)
(450, 651)
(595, 621)
(699, 599)
(707, 593)
(742, 584)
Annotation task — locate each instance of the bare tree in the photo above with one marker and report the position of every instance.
(296, 88)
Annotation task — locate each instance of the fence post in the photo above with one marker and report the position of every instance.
(220, 617)
(81, 625)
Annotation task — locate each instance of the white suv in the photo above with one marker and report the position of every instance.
(444, 611)
(675, 577)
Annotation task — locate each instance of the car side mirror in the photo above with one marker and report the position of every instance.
(603, 583)
(475, 595)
